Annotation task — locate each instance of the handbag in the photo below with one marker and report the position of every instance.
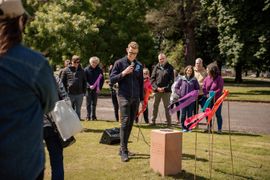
(66, 120)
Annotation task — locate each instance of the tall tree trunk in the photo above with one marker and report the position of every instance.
(238, 73)
(187, 10)
(190, 45)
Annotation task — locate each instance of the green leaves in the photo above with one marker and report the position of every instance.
(62, 29)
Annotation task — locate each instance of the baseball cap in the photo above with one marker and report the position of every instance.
(11, 9)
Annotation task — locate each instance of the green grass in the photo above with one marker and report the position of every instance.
(88, 159)
(249, 90)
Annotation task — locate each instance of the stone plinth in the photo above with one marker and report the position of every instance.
(166, 151)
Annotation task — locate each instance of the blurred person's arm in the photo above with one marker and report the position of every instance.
(46, 87)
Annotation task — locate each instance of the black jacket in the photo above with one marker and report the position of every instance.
(92, 75)
(131, 85)
(74, 80)
(162, 77)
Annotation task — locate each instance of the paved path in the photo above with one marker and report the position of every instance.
(244, 116)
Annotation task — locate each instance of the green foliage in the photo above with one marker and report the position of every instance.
(242, 27)
(175, 54)
(124, 22)
(63, 28)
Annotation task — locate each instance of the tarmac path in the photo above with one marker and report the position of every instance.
(244, 116)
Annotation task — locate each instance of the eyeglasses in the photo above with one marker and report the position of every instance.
(77, 62)
(132, 53)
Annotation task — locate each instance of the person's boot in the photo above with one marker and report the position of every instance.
(124, 156)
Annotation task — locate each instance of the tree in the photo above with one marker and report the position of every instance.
(175, 22)
(124, 22)
(243, 28)
(60, 29)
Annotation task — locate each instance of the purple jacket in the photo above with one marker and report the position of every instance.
(184, 86)
(216, 85)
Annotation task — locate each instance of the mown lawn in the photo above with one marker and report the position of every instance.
(88, 159)
(255, 90)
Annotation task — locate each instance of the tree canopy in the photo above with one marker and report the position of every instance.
(234, 33)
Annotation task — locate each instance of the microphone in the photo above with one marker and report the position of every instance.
(132, 64)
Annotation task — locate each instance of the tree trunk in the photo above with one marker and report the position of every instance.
(190, 46)
(238, 73)
(257, 73)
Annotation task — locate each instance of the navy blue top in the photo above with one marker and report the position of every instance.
(92, 75)
(131, 85)
(27, 91)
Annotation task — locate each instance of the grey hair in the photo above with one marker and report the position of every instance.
(94, 58)
(199, 60)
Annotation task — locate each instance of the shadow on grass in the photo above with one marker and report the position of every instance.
(139, 156)
(163, 126)
(252, 93)
(157, 126)
(238, 176)
(86, 130)
(233, 133)
(186, 175)
(247, 83)
(192, 157)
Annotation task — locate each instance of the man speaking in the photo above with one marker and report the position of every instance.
(128, 73)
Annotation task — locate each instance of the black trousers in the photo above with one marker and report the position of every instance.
(128, 110)
(115, 105)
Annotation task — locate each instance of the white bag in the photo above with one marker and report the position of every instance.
(66, 119)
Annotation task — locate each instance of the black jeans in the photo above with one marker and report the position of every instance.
(55, 150)
(115, 105)
(91, 104)
(128, 110)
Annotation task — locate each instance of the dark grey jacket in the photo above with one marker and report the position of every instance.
(162, 76)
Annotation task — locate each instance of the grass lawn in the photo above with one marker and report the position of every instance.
(249, 90)
(88, 159)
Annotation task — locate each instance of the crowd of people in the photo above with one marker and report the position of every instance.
(29, 92)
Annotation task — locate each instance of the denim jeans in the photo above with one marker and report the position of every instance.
(91, 104)
(76, 101)
(219, 117)
(55, 153)
(128, 110)
(186, 113)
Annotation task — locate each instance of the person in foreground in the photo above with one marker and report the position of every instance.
(52, 139)
(128, 73)
(27, 91)
(214, 82)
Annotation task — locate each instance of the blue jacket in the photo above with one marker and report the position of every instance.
(131, 85)
(27, 91)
